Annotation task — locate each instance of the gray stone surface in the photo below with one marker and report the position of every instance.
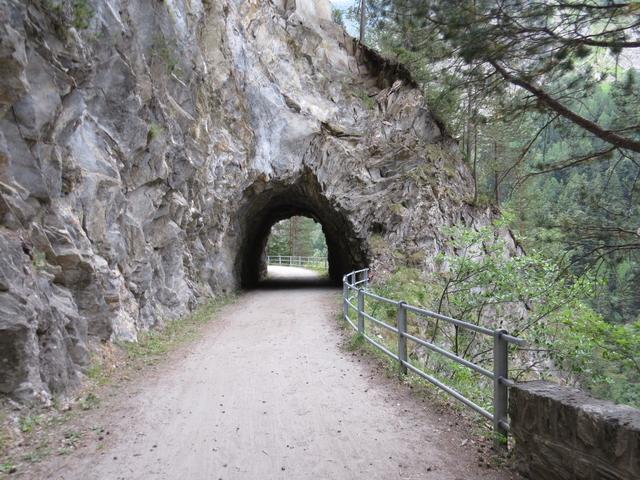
(145, 146)
(564, 433)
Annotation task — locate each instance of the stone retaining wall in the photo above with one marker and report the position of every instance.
(564, 433)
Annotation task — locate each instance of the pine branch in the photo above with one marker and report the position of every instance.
(546, 99)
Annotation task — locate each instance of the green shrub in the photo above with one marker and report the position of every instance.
(167, 52)
(368, 101)
(28, 422)
(82, 14)
(530, 295)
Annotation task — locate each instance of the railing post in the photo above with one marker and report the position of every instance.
(345, 298)
(500, 389)
(360, 311)
(402, 340)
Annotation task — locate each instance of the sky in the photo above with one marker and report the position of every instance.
(342, 3)
(351, 27)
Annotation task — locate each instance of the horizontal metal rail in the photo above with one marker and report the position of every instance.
(514, 340)
(459, 323)
(454, 393)
(354, 273)
(357, 283)
(351, 305)
(381, 299)
(297, 261)
(381, 323)
(346, 317)
(381, 347)
(452, 356)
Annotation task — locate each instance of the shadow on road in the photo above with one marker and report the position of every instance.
(289, 278)
(293, 283)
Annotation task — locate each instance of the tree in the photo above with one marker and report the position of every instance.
(363, 19)
(548, 119)
(297, 236)
(530, 296)
(337, 16)
(522, 43)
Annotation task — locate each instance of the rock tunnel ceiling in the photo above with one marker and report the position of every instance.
(144, 158)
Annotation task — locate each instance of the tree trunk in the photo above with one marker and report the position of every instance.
(475, 163)
(496, 176)
(363, 19)
(608, 136)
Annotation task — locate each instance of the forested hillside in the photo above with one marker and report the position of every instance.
(544, 98)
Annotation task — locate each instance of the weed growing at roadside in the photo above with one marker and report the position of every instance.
(33, 426)
(72, 436)
(356, 342)
(156, 343)
(4, 434)
(318, 267)
(97, 372)
(7, 467)
(71, 440)
(41, 452)
(89, 401)
(29, 422)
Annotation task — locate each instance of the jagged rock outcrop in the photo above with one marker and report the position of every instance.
(146, 147)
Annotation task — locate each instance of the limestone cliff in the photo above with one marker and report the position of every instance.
(147, 146)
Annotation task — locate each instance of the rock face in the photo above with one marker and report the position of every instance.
(146, 148)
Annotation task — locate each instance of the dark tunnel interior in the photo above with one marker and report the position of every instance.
(268, 204)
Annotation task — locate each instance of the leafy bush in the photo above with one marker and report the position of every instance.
(82, 14)
(532, 296)
(167, 51)
(65, 13)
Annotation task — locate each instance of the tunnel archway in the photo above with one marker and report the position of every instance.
(266, 203)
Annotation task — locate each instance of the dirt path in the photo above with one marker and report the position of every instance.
(269, 393)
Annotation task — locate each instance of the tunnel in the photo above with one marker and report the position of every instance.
(266, 203)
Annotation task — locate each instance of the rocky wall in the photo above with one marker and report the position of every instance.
(563, 433)
(136, 137)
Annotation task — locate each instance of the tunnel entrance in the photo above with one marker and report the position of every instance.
(267, 203)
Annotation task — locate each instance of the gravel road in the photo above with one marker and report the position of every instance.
(268, 393)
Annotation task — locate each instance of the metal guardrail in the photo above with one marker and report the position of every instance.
(358, 282)
(297, 261)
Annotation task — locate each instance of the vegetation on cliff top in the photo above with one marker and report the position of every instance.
(545, 100)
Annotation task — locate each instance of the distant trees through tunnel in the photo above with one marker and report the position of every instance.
(297, 236)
